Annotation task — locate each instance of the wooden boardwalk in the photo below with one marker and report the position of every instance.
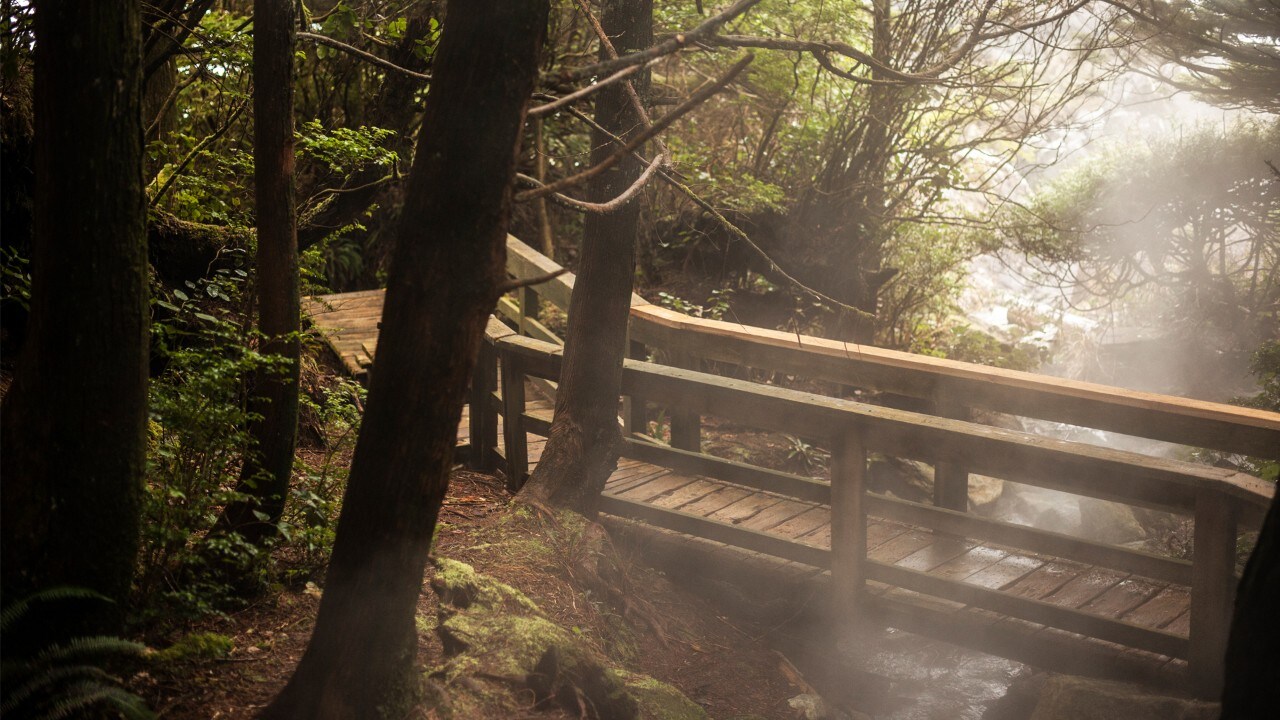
(1048, 599)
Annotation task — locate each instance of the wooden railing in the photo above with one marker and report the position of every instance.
(1219, 500)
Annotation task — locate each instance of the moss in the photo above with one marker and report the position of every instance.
(660, 701)
(196, 646)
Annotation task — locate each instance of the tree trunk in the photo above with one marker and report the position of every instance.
(268, 465)
(1252, 688)
(582, 449)
(73, 421)
(446, 270)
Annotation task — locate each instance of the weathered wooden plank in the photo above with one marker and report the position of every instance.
(802, 524)
(721, 498)
(661, 485)
(901, 546)
(692, 492)
(848, 520)
(746, 508)
(795, 486)
(1123, 597)
(975, 559)
(1161, 610)
(1008, 570)
(715, 530)
(880, 532)
(1045, 580)
(1057, 616)
(1031, 539)
(931, 556)
(1086, 586)
(776, 514)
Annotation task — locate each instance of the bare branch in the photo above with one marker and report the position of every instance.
(558, 103)
(604, 208)
(507, 287)
(697, 98)
(367, 57)
(672, 44)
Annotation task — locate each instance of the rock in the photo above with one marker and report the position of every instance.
(984, 491)
(1067, 697)
(491, 631)
(913, 481)
(1109, 522)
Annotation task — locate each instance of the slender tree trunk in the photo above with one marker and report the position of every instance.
(73, 421)
(268, 465)
(446, 271)
(1252, 688)
(582, 449)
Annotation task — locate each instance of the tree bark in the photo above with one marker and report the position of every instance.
(73, 422)
(446, 269)
(268, 465)
(584, 441)
(1252, 688)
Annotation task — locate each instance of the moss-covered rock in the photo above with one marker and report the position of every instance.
(496, 637)
(196, 646)
(660, 701)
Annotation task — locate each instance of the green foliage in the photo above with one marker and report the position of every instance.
(197, 435)
(930, 260)
(1265, 365)
(311, 514)
(195, 646)
(715, 308)
(15, 272)
(345, 150)
(66, 679)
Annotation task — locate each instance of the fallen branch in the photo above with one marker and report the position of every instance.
(510, 285)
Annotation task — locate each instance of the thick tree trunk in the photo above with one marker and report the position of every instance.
(268, 466)
(582, 449)
(446, 269)
(1252, 688)
(73, 421)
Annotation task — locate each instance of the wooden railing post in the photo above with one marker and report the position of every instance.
(513, 434)
(848, 524)
(951, 480)
(635, 418)
(1213, 587)
(484, 421)
(528, 308)
(686, 427)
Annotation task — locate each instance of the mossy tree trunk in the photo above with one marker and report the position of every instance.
(268, 465)
(446, 272)
(582, 449)
(73, 422)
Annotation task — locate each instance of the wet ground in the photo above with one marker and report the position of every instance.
(890, 674)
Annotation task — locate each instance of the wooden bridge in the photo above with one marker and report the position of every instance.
(1043, 597)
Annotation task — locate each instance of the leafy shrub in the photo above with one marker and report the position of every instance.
(198, 432)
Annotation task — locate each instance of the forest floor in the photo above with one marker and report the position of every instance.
(723, 664)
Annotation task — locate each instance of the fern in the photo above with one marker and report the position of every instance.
(59, 681)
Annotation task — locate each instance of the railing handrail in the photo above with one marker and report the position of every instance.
(947, 383)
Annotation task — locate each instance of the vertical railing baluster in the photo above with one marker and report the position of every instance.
(848, 524)
(635, 418)
(484, 418)
(513, 434)
(951, 480)
(686, 427)
(1213, 586)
